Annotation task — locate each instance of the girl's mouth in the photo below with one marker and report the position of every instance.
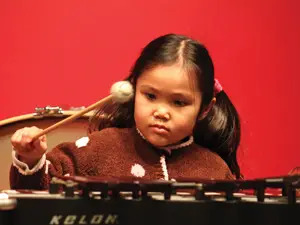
(159, 129)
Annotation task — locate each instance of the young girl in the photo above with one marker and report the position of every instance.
(180, 123)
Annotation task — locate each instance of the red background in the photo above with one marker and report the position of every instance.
(69, 53)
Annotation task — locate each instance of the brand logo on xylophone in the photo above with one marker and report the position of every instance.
(84, 219)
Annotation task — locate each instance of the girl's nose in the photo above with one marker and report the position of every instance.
(161, 114)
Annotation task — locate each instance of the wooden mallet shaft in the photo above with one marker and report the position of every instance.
(71, 118)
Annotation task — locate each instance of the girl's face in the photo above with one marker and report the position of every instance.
(167, 103)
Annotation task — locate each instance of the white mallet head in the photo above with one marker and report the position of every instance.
(121, 91)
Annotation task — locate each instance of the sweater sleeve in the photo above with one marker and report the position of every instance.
(59, 161)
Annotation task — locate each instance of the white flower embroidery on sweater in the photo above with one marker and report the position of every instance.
(82, 142)
(137, 170)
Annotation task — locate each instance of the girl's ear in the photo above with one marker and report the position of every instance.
(207, 109)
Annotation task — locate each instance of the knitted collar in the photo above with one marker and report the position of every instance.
(169, 148)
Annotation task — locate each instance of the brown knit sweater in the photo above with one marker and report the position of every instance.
(113, 152)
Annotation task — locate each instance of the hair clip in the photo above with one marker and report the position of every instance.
(217, 87)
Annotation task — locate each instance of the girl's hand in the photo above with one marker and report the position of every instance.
(29, 152)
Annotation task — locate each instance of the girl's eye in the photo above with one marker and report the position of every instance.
(150, 96)
(179, 103)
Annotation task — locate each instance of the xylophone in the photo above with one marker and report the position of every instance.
(91, 200)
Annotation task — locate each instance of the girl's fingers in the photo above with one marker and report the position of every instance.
(40, 145)
(25, 140)
(43, 142)
(21, 140)
(16, 137)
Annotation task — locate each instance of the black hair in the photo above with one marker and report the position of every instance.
(219, 130)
